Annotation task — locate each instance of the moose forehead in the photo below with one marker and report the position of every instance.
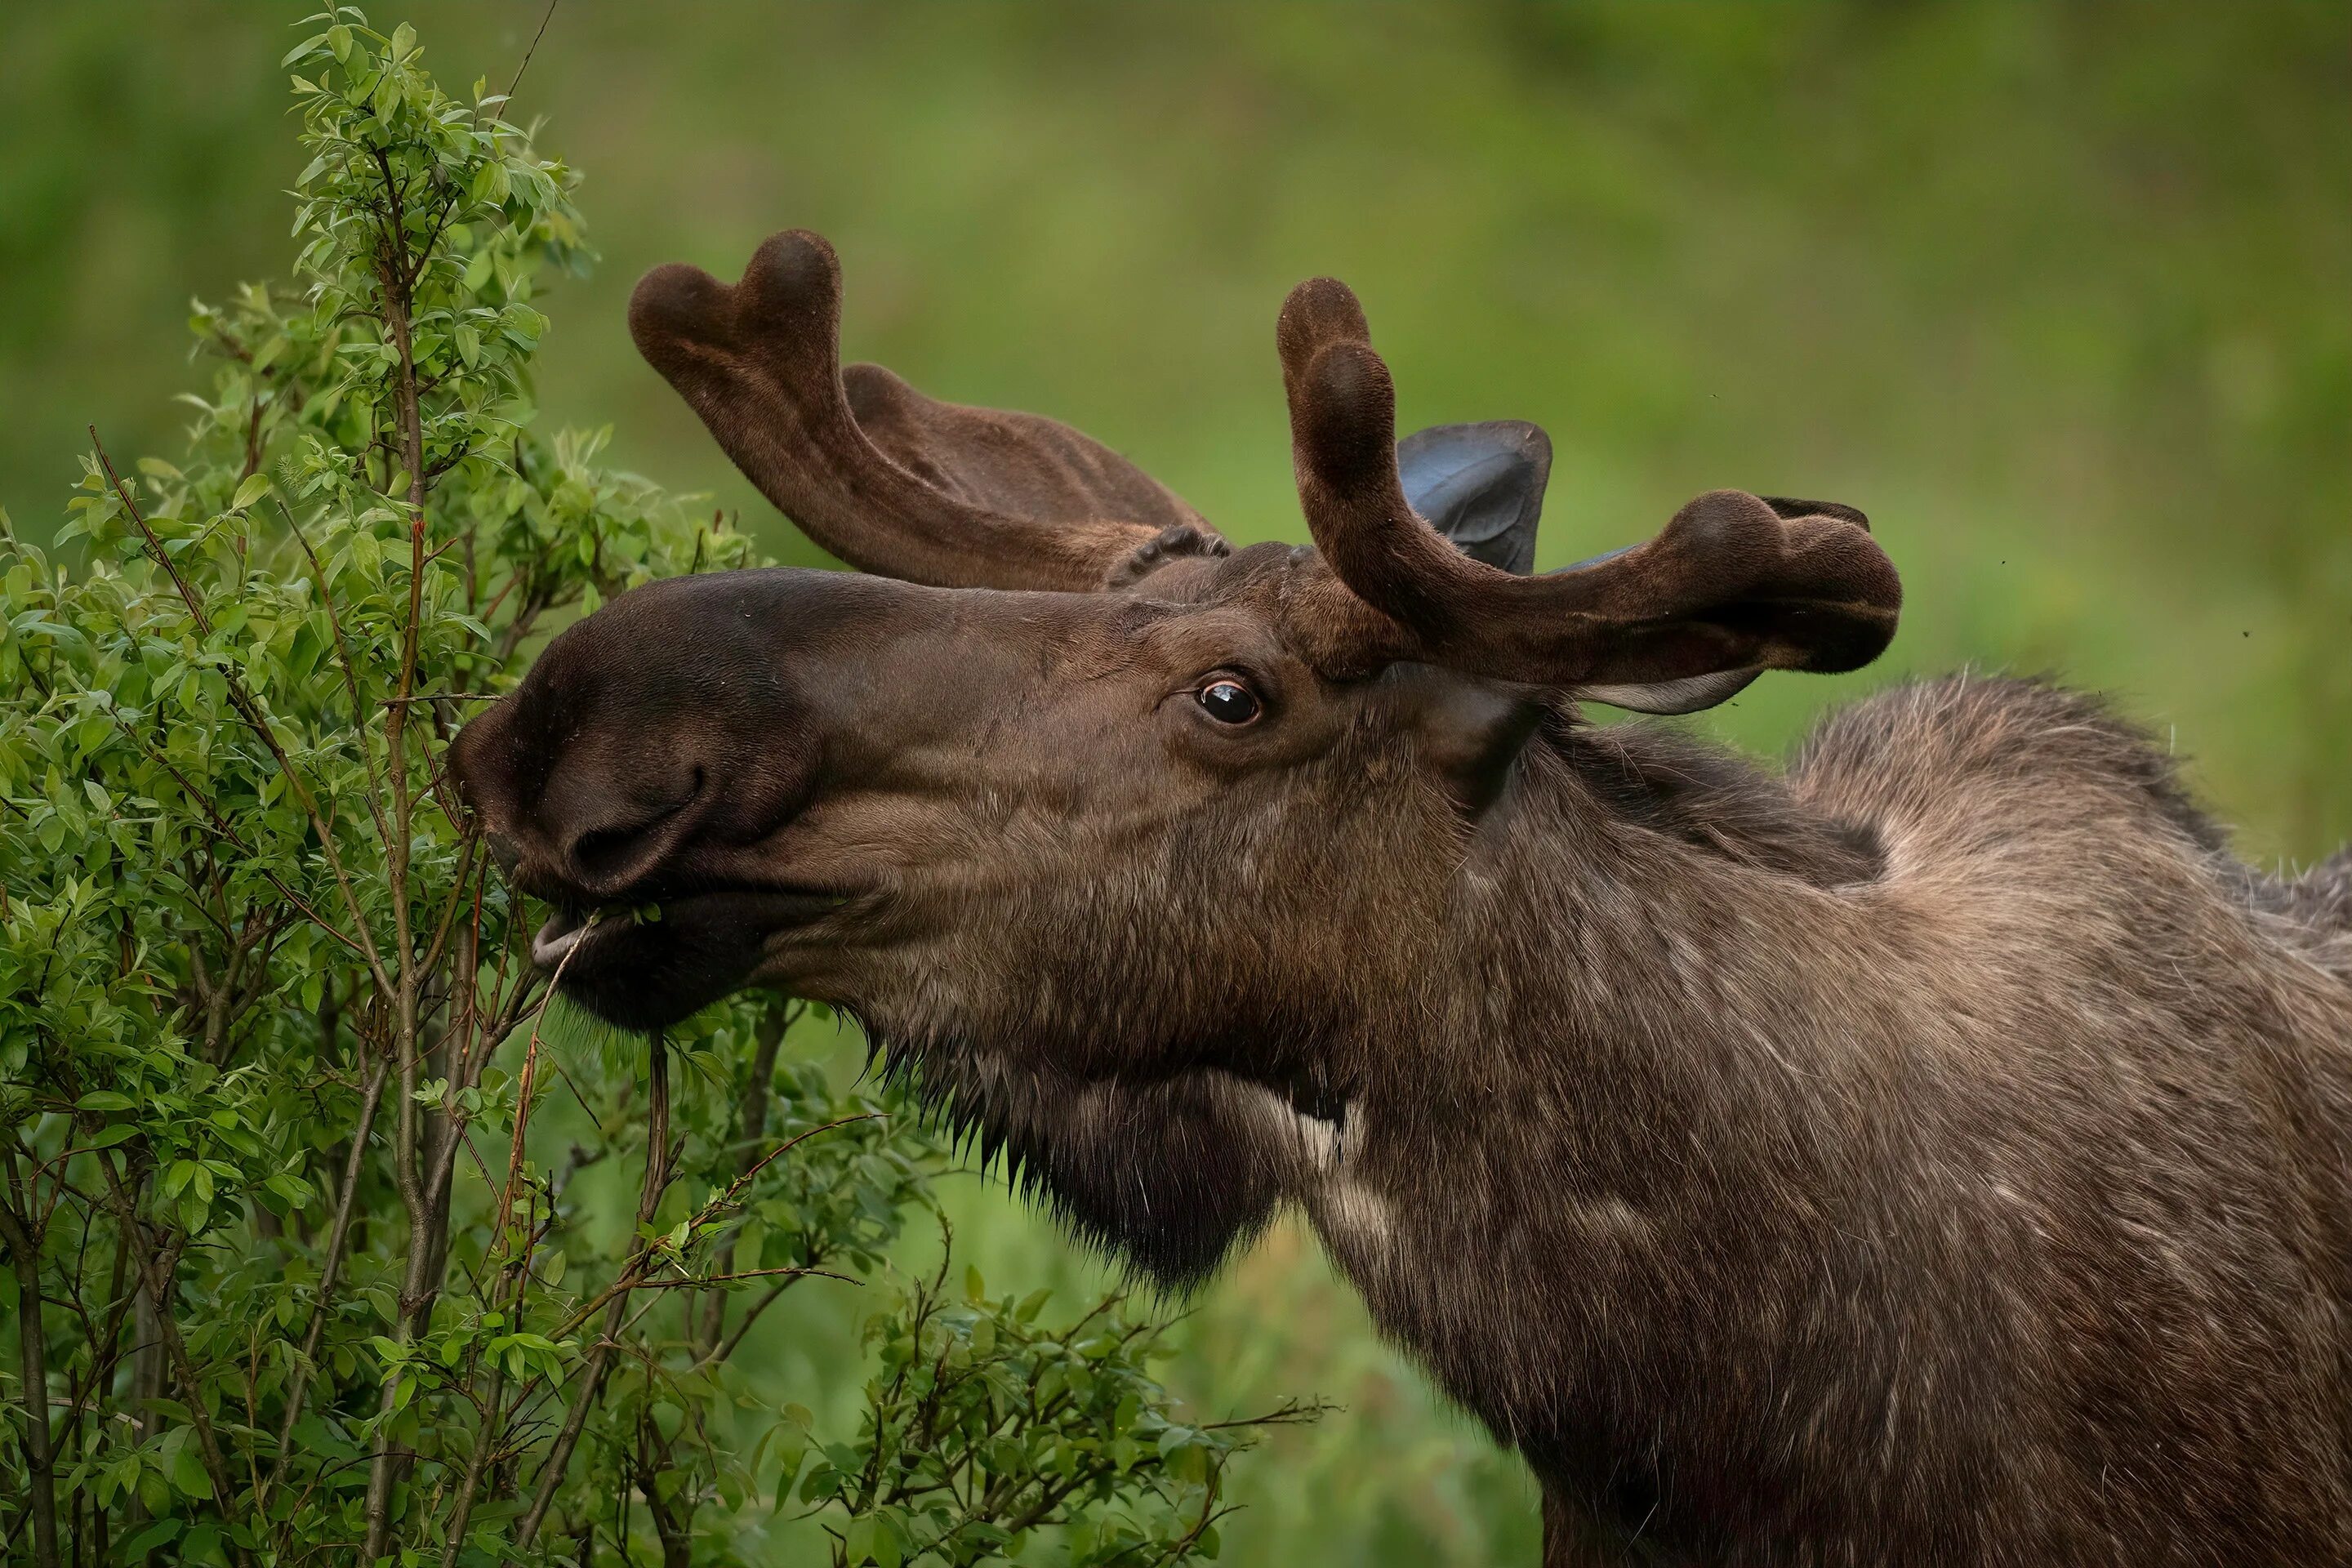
(709, 637)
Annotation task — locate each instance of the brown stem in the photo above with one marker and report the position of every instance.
(600, 1359)
(32, 1345)
(160, 1272)
(1210, 1514)
(424, 1245)
(752, 1119)
(154, 545)
(155, 1272)
(486, 1431)
(350, 671)
(330, 1272)
(633, 1276)
(528, 1080)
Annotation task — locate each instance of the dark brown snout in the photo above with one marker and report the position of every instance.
(654, 775)
(648, 740)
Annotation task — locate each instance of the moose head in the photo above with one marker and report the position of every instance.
(1063, 796)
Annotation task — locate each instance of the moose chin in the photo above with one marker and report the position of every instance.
(1938, 1152)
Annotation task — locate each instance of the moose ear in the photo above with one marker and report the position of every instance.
(1481, 486)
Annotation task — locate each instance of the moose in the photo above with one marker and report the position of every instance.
(1936, 1152)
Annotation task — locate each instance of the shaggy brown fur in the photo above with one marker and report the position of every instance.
(1936, 1154)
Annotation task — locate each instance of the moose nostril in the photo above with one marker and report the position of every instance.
(617, 853)
(604, 852)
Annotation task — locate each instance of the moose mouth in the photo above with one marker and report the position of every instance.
(647, 966)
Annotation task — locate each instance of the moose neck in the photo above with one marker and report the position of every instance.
(1641, 947)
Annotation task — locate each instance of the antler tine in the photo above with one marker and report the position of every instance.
(885, 477)
(1734, 581)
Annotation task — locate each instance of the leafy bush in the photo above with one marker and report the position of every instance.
(293, 1279)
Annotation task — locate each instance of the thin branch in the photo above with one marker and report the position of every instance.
(592, 1382)
(32, 1348)
(330, 1272)
(543, 21)
(351, 669)
(703, 1282)
(154, 545)
(250, 712)
(524, 1083)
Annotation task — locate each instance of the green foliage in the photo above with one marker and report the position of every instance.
(293, 1278)
(983, 1426)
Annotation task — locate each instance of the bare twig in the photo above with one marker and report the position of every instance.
(351, 669)
(600, 1359)
(32, 1347)
(752, 1119)
(154, 545)
(526, 1079)
(330, 1272)
(703, 1282)
(426, 1219)
(545, 18)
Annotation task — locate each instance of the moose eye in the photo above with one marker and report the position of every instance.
(1229, 702)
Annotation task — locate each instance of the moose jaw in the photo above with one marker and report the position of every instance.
(1933, 1153)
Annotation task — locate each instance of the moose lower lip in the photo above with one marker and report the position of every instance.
(556, 939)
(566, 931)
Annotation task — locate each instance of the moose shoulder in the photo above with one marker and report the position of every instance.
(1935, 1153)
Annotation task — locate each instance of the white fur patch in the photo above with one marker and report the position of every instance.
(1353, 1219)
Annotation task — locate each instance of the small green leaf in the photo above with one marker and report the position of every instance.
(188, 1471)
(154, 1535)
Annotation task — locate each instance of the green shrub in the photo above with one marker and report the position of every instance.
(293, 1279)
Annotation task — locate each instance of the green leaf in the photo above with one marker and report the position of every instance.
(255, 487)
(104, 1099)
(187, 1470)
(156, 1534)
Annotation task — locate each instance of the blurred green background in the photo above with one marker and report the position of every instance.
(2061, 297)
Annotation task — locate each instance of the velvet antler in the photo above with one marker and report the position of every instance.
(1735, 583)
(887, 478)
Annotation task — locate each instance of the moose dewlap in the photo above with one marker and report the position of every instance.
(1939, 1152)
